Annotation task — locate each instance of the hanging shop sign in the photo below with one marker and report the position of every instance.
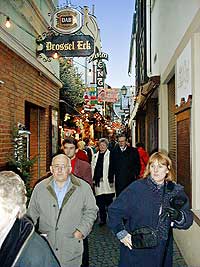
(100, 55)
(66, 45)
(100, 74)
(66, 21)
(108, 95)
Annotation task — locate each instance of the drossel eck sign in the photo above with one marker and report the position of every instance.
(66, 21)
(66, 45)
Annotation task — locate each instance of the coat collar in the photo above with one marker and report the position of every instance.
(74, 180)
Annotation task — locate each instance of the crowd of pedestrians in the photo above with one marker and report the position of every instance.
(109, 182)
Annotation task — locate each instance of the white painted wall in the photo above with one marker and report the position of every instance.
(188, 243)
(170, 20)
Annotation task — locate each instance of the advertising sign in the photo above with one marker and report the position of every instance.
(99, 55)
(108, 94)
(184, 74)
(66, 45)
(100, 74)
(67, 20)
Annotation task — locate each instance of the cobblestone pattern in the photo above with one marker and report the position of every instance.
(104, 249)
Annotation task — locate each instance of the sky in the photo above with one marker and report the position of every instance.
(114, 19)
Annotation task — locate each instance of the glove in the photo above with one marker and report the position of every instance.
(175, 215)
(177, 202)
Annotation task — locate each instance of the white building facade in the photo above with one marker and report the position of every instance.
(173, 52)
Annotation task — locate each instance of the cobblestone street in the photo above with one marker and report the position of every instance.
(104, 249)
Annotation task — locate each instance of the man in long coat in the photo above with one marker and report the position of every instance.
(66, 209)
(125, 164)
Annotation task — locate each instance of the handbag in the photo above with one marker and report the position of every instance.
(144, 237)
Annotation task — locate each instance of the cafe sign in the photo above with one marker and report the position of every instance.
(66, 21)
(99, 55)
(66, 45)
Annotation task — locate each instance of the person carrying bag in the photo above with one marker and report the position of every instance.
(143, 215)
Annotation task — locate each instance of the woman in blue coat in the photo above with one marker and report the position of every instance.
(143, 215)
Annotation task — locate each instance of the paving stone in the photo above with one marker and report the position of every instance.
(104, 249)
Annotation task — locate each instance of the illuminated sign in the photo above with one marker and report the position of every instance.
(66, 45)
(66, 21)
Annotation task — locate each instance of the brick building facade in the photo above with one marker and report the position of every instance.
(28, 97)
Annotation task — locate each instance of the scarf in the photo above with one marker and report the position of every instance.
(98, 171)
(15, 239)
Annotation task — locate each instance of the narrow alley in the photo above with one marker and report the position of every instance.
(104, 249)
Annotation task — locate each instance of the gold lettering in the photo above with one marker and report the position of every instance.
(88, 46)
(66, 46)
(62, 46)
(80, 45)
(57, 47)
(48, 46)
(83, 45)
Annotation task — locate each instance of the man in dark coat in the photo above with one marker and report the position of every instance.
(125, 164)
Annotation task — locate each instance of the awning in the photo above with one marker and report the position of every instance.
(68, 108)
(145, 91)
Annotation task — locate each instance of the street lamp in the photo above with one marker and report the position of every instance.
(124, 90)
(125, 98)
(125, 107)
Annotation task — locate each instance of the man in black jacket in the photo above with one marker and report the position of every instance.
(125, 162)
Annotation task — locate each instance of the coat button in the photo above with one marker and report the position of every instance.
(54, 205)
(56, 228)
(56, 249)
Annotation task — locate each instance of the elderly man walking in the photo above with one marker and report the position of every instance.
(66, 209)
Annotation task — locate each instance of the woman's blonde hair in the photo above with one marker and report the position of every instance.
(163, 159)
(81, 145)
(12, 192)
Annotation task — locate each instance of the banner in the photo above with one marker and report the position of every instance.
(108, 95)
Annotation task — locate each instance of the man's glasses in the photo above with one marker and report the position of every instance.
(60, 167)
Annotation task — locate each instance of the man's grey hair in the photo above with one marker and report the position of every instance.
(103, 140)
(61, 155)
(12, 192)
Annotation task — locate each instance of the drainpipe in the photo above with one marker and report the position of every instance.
(149, 3)
(38, 130)
(150, 59)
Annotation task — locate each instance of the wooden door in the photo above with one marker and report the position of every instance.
(183, 123)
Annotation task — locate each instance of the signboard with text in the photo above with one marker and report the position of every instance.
(67, 20)
(108, 94)
(100, 74)
(66, 45)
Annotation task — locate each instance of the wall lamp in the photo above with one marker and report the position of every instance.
(7, 22)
